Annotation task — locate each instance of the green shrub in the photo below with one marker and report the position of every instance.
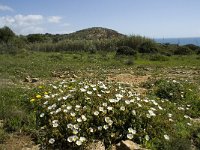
(125, 50)
(158, 57)
(148, 47)
(72, 113)
(182, 50)
(172, 90)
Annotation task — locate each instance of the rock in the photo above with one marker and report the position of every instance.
(27, 79)
(31, 80)
(34, 80)
(97, 145)
(127, 145)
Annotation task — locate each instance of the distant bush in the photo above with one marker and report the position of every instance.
(158, 57)
(129, 61)
(148, 47)
(192, 47)
(182, 50)
(125, 50)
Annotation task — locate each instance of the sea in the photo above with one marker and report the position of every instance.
(179, 41)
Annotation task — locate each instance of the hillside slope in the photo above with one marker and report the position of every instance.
(95, 33)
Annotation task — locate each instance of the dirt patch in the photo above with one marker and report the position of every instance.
(129, 78)
(19, 142)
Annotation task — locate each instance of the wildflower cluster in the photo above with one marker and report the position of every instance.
(72, 113)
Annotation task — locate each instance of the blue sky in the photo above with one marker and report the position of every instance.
(150, 18)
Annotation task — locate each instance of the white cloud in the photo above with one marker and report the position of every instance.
(29, 24)
(23, 24)
(25, 20)
(54, 19)
(5, 8)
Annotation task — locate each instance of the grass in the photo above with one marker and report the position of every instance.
(18, 115)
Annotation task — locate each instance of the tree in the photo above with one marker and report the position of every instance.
(6, 34)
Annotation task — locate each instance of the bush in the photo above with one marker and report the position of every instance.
(73, 113)
(182, 50)
(158, 57)
(129, 61)
(125, 50)
(148, 47)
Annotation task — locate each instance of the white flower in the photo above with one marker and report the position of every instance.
(154, 102)
(94, 89)
(101, 109)
(83, 90)
(166, 137)
(189, 124)
(99, 128)
(58, 110)
(79, 120)
(93, 85)
(42, 115)
(169, 115)
(134, 112)
(130, 136)
(118, 96)
(83, 117)
(78, 142)
(127, 102)
(70, 126)
(110, 122)
(147, 137)
(76, 126)
(148, 116)
(112, 100)
(107, 119)
(86, 86)
(109, 108)
(72, 114)
(47, 96)
(69, 107)
(122, 108)
(96, 113)
(107, 92)
(78, 106)
(51, 140)
(130, 130)
(159, 107)
(55, 122)
(72, 138)
(49, 108)
(75, 131)
(91, 129)
(151, 113)
(82, 139)
(186, 116)
(105, 127)
(45, 103)
(99, 95)
(104, 104)
(89, 92)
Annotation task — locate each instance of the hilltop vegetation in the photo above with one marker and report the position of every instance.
(91, 39)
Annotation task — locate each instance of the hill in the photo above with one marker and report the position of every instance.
(95, 33)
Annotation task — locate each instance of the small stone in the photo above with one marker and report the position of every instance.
(97, 145)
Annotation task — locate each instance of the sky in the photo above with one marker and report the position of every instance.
(149, 18)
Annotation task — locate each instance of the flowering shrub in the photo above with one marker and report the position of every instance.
(73, 113)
